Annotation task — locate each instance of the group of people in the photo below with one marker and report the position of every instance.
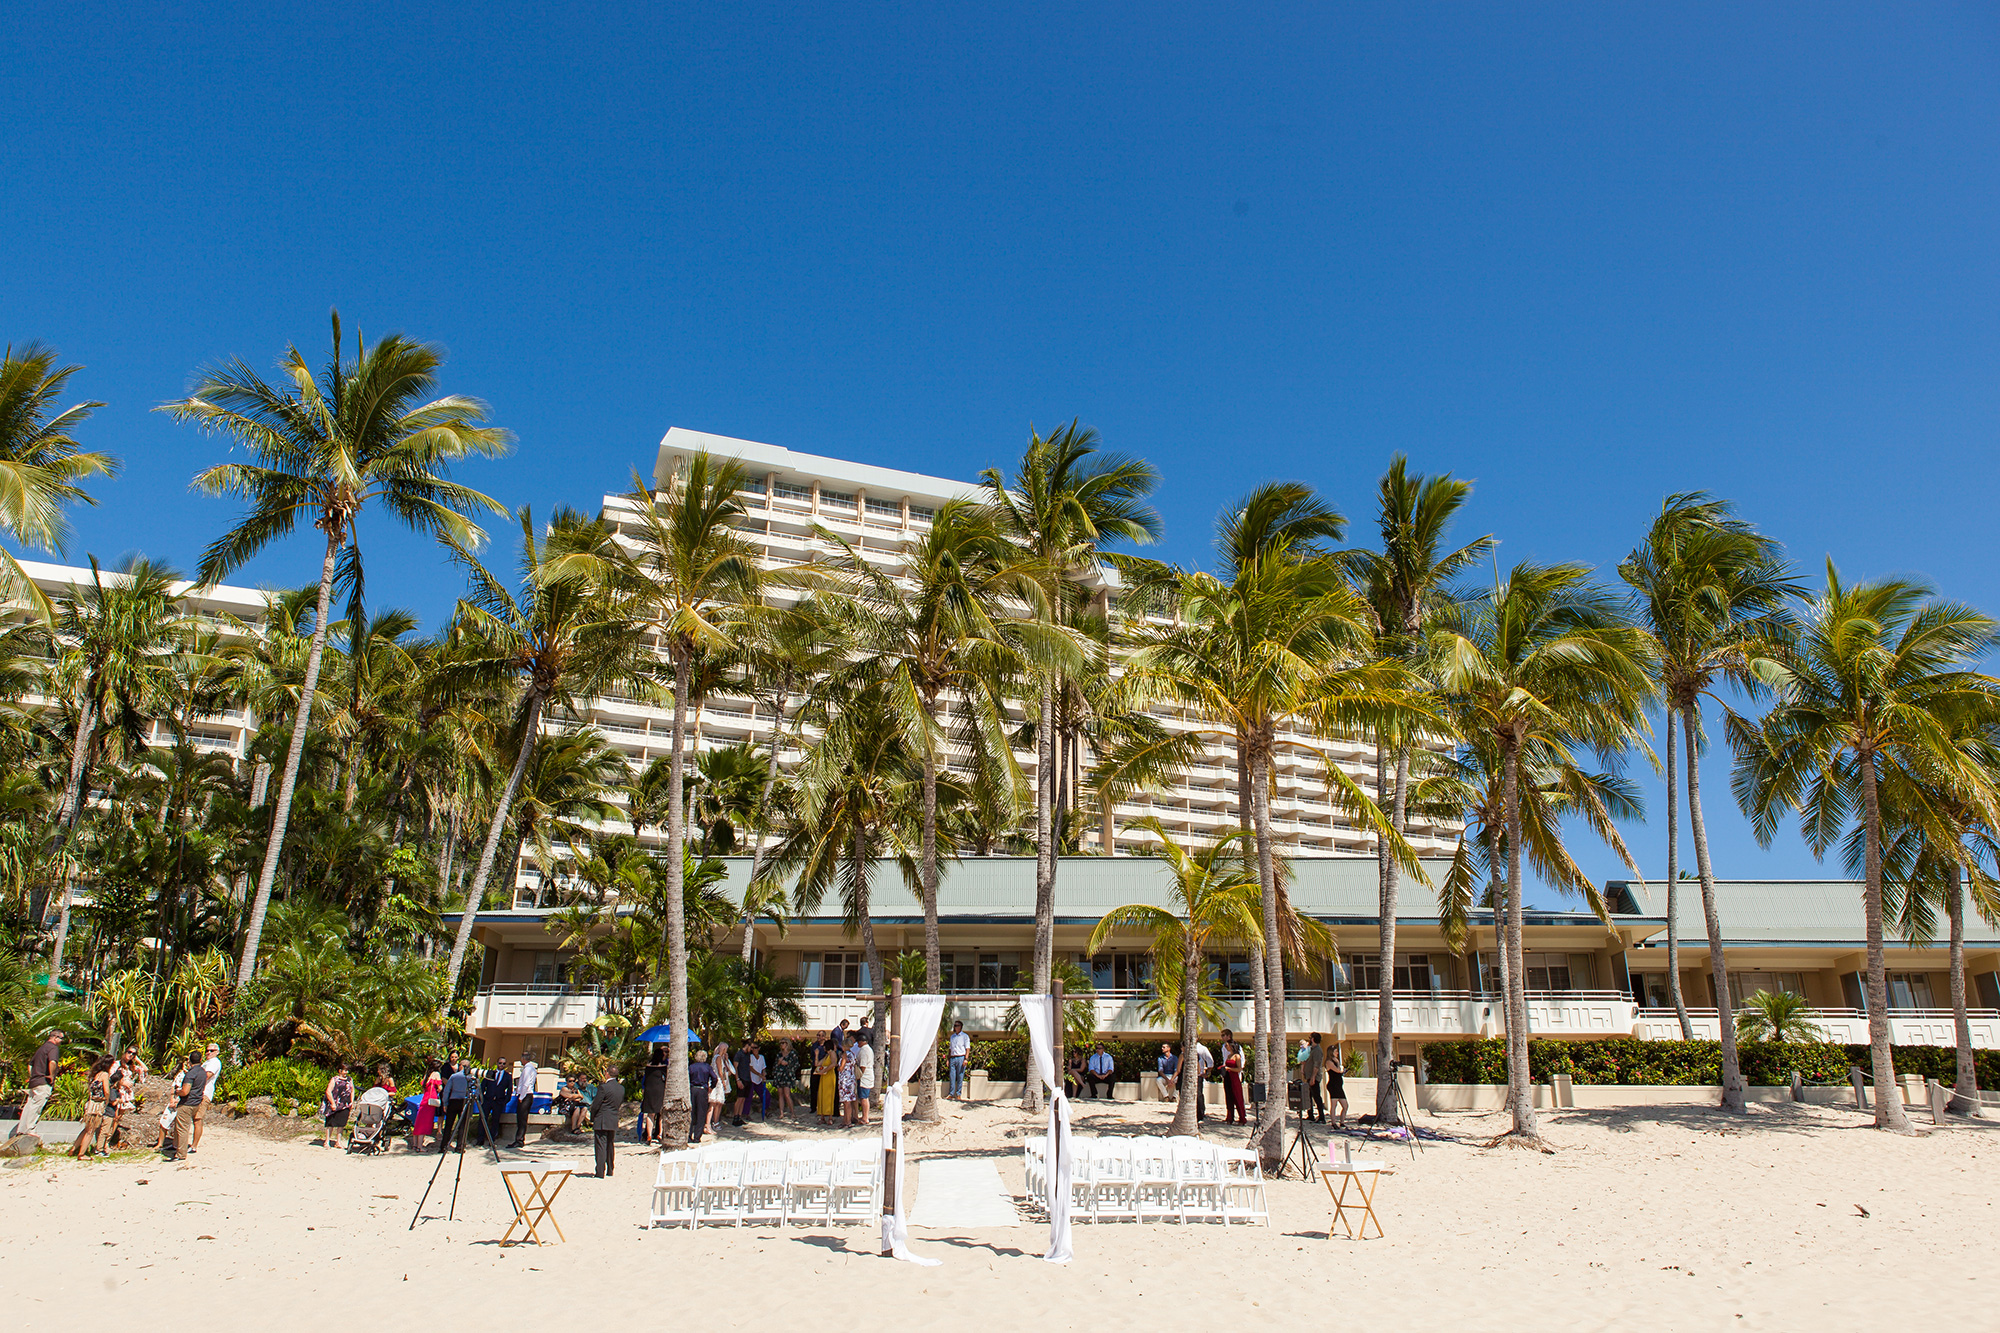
(1319, 1072)
(112, 1090)
(339, 1101)
(833, 1077)
(1322, 1079)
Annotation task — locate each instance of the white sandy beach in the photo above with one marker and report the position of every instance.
(1666, 1218)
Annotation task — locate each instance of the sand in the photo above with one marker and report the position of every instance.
(1663, 1218)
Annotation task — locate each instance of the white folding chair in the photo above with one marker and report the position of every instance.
(808, 1182)
(1242, 1176)
(855, 1191)
(761, 1191)
(1082, 1191)
(1199, 1179)
(1034, 1166)
(1155, 1191)
(719, 1184)
(1111, 1180)
(674, 1189)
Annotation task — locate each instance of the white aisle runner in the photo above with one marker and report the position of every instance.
(962, 1192)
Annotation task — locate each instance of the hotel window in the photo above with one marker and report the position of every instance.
(889, 509)
(835, 971)
(793, 492)
(1558, 971)
(1911, 990)
(1742, 985)
(922, 513)
(837, 500)
(752, 486)
(1413, 972)
(1119, 971)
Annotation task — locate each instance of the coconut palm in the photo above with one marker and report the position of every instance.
(114, 638)
(1870, 691)
(1779, 1016)
(1214, 894)
(1407, 583)
(325, 447)
(567, 636)
(696, 581)
(1711, 590)
(1547, 664)
(763, 899)
(941, 631)
(1065, 502)
(1280, 633)
(41, 464)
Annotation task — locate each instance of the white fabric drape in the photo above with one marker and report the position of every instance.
(917, 1031)
(1039, 1013)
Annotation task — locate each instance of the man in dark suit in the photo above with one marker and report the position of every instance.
(604, 1109)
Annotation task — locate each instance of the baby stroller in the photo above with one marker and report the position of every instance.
(375, 1123)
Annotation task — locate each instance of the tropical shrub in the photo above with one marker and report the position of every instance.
(1631, 1062)
(1778, 1016)
(281, 1079)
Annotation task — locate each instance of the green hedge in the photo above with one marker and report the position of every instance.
(285, 1077)
(1630, 1061)
(1938, 1062)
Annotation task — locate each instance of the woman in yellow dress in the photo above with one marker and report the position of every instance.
(825, 1064)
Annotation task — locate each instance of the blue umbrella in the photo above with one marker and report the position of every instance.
(664, 1032)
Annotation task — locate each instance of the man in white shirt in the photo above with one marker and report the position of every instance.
(961, 1048)
(524, 1100)
(1207, 1062)
(1099, 1067)
(211, 1068)
(864, 1072)
(757, 1089)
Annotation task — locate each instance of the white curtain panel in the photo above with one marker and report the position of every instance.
(1040, 1014)
(917, 1031)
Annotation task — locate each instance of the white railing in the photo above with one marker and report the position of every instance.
(1845, 1027)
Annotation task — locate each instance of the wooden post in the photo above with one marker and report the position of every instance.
(888, 1074)
(1061, 1023)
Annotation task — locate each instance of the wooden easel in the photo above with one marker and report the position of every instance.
(531, 1210)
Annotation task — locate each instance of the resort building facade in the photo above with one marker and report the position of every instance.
(1584, 979)
(788, 499)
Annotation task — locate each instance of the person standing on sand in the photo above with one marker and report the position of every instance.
(864, 1072)
(336, 1106)
(456, 1085)
(1312, 1067)
(845, 1082)
(43, 1067)
(427, 1110)
(1232, 1079)
(825, 1082)
(960, 1048)
(701, 1082)
(1336, 1084)
(211, 1069)
(604, 1109)
(524, 1100)
(96, 1111)
(190, 1085)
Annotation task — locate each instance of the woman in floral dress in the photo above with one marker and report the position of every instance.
(785, 1076)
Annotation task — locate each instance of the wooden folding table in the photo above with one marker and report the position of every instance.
(1361, 1177)
(533, 1208)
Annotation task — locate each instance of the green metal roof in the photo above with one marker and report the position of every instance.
(1772, 912)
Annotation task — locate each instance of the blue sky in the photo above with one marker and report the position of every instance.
(1585, 256)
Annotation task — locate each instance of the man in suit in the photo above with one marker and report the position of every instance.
(604, 1109)
(1312, 1067)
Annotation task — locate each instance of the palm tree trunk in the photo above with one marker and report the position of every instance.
(1520, 1093)
(1190, 1071)
(1045, 870)
(877, 982)
(281, 813)
(1260, 1015)
(674, 1122)
(71, 808)
(770, 782)
(1965, 1087)
(1718, 967)
(1888, 1096)
(1674, 889)
(926, 1107)
(475, 893)
(1387, 873)
(1271, 1128)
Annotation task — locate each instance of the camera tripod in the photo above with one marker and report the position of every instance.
(492, 1146)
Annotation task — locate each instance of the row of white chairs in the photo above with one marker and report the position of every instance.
(1146, 1179)
(734, 1183)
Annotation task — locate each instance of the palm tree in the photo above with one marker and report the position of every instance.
(1215, 892)
(1779, 1016)
(41, 465)
(696, 581)
(1280, 633)
(1546, 665)
(326, 447)
(1065, 502)
(1712, 590)
(1870, 691)
(567, 636)
(940, 628)
(115, 640)
(1407, 582)
(763, 898)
